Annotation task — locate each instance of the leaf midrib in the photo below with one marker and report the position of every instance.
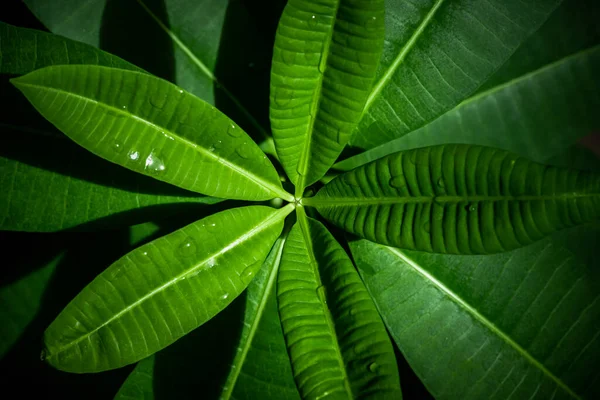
(304, 228)
(303, 162)
(266, 223)
(408, 46)
(195, 60)
(481, 318)
(348, 201)
(241, 358)
(237, 169)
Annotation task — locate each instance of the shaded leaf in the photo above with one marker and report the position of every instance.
(518, 325)
(458, 199)
(151, 126)
(436, 54)
(337, 343)
(139, 382)
(324, 64)
(128, 312)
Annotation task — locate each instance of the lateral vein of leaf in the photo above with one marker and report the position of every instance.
(344, 201)
(259, 181)
(314, 109)
(241, 357)
(303, 221)
(482, 319)
(402, 55)
(529, 75)
(186, 50)
(266, 223)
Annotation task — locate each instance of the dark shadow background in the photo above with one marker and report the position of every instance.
(199, 361)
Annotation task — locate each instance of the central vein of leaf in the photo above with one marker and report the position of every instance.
(303, 162)
(265, 224)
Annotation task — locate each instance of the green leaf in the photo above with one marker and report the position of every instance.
(138, 384)
(543, 100)
(437, 53)
(324, 63)
(520, 325)
(128, 312)
(458, 199)
(23, 50)
(81, 190)
(151, 126)
(337, 343)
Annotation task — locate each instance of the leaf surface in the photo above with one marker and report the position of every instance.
(458, 199)
(436, 54)
(540, 102)
(324, 63)
(520, 325)
(337, 343)
(152, 127)
(162, 290)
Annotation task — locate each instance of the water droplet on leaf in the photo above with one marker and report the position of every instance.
(312, 21)
(350, 179)
(374, 367)
(322, 294)
(371, 24)
(43, 355)
(244, 150)
(134, 155)
(117, 147)
(234, 131)
(441, 184)
(225, 296)
(289, 57)
(283, 95)
(154, 164)
(211, 227)
(398, 182)
(187, 248)
(158, 100)
(427, 226)
(211, 262)
(471, 207)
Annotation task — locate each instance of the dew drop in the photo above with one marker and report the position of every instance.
(211, 148)
(234, 131)
(365, 60)
(470, 207)
(117, 147)
(43, 355)
(441, 184)
(412, 157)
(247, 273)
(371, 24)
(211, 262)
(398, 182)
(374, 367)
(244, 150)
(154, 164)
(180, 91)
(211, 227)
(224, 296)
(340, 137)
(124, 107)
(322, 294)
(142, 257)
(312, 55)
(134, 155)
(158, 100)
(218, 144)
(312, 21)
(427, 226)
(283, 95)
(187, 248)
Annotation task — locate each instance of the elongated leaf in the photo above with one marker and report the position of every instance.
(458, 199)
(23, 50)
(337, 343)
(162, 290)
(324, 63)
(139, 382)
(520, 325)
(437, 53)
(150, 126)
(543, 100)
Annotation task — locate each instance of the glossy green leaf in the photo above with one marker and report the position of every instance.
(161, 291)
(541, 101)
(23, 50)
(324, 63)
(337, 343)
(437, 53)
(260, 367)
(151, 126)
(458, 199)
(519, 325)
